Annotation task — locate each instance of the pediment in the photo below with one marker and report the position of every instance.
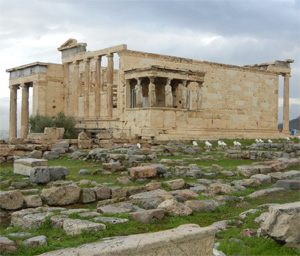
(70, 43)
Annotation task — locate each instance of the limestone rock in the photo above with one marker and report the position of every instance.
(11, 200)
(35, 221)
(265, 179)
(35, 154)
(102, 192)
(124, 180)
(39, 175)
(188, 194)
(7, 245)
(143, 172)
(175, 184)
(62, 144)
(112, 209)
(51, 155)
(35, 241)
(264, 192)
(199, 206)
(75, 227)
(159, 193)
(84, 172)
(243, 215)
(148, 216)
(57, 221)
(283, 223)
(247, 170)
(173, 207)
(61, 195)
(150, 203)
(24, 166)
(288, 184)
(88, 195)
(58, 172)
(33, 201)
(192, 239)
(199, 189)
(153, 186)
(111, 220)
(261, 218)
(218, 188)
(291, 174)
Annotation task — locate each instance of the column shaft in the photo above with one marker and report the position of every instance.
(87, 88)
(75, 88)
(286, 103)
(13, 113)
(98, 84)
(24, 112)
(110, 80)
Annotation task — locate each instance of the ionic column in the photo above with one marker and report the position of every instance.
(75, 88)
(24, 112)
(110, 81)
(13, 112)
(98, 83)
(151, 92)
(286, 103)
(86, 87)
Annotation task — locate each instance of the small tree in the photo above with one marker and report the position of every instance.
(38, 123)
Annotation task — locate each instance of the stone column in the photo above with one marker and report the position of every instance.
(168, 94)
(184, 94)
(151, 93)
(110, 81)
(75, 88)
(199, 95)
(138, 94)
(13, 112)
(24, 112)
(286, 103)
(97, 84)
(86, 87)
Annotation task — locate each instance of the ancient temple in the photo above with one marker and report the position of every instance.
(152, 95)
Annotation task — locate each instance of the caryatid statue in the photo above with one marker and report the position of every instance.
(199, 96)
(168, 94)
(151, 93)
(184, 94)
(138, 94)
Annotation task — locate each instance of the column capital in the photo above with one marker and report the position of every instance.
(24, 86)
(86, 60)
(109, 55)
(287, 75)
(76, 62)
(98, 57)
(14, 87)
(151, 78)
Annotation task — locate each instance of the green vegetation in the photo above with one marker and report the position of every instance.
(240, 246)
(38, 123)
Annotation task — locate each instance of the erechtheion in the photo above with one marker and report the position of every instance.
(152, 95)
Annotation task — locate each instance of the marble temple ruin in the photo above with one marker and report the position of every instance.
(152, 95)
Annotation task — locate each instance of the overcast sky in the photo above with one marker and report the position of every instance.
(237, 32)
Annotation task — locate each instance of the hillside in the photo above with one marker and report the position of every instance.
(294, 124)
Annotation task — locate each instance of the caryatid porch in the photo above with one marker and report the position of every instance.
(159, 87)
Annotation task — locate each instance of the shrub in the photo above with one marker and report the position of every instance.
(38, 123)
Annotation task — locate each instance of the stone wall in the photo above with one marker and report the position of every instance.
(235, 99)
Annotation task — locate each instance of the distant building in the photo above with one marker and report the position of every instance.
(153, 95)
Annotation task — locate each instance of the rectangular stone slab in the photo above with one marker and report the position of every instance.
(189, 240)
(24, 166)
